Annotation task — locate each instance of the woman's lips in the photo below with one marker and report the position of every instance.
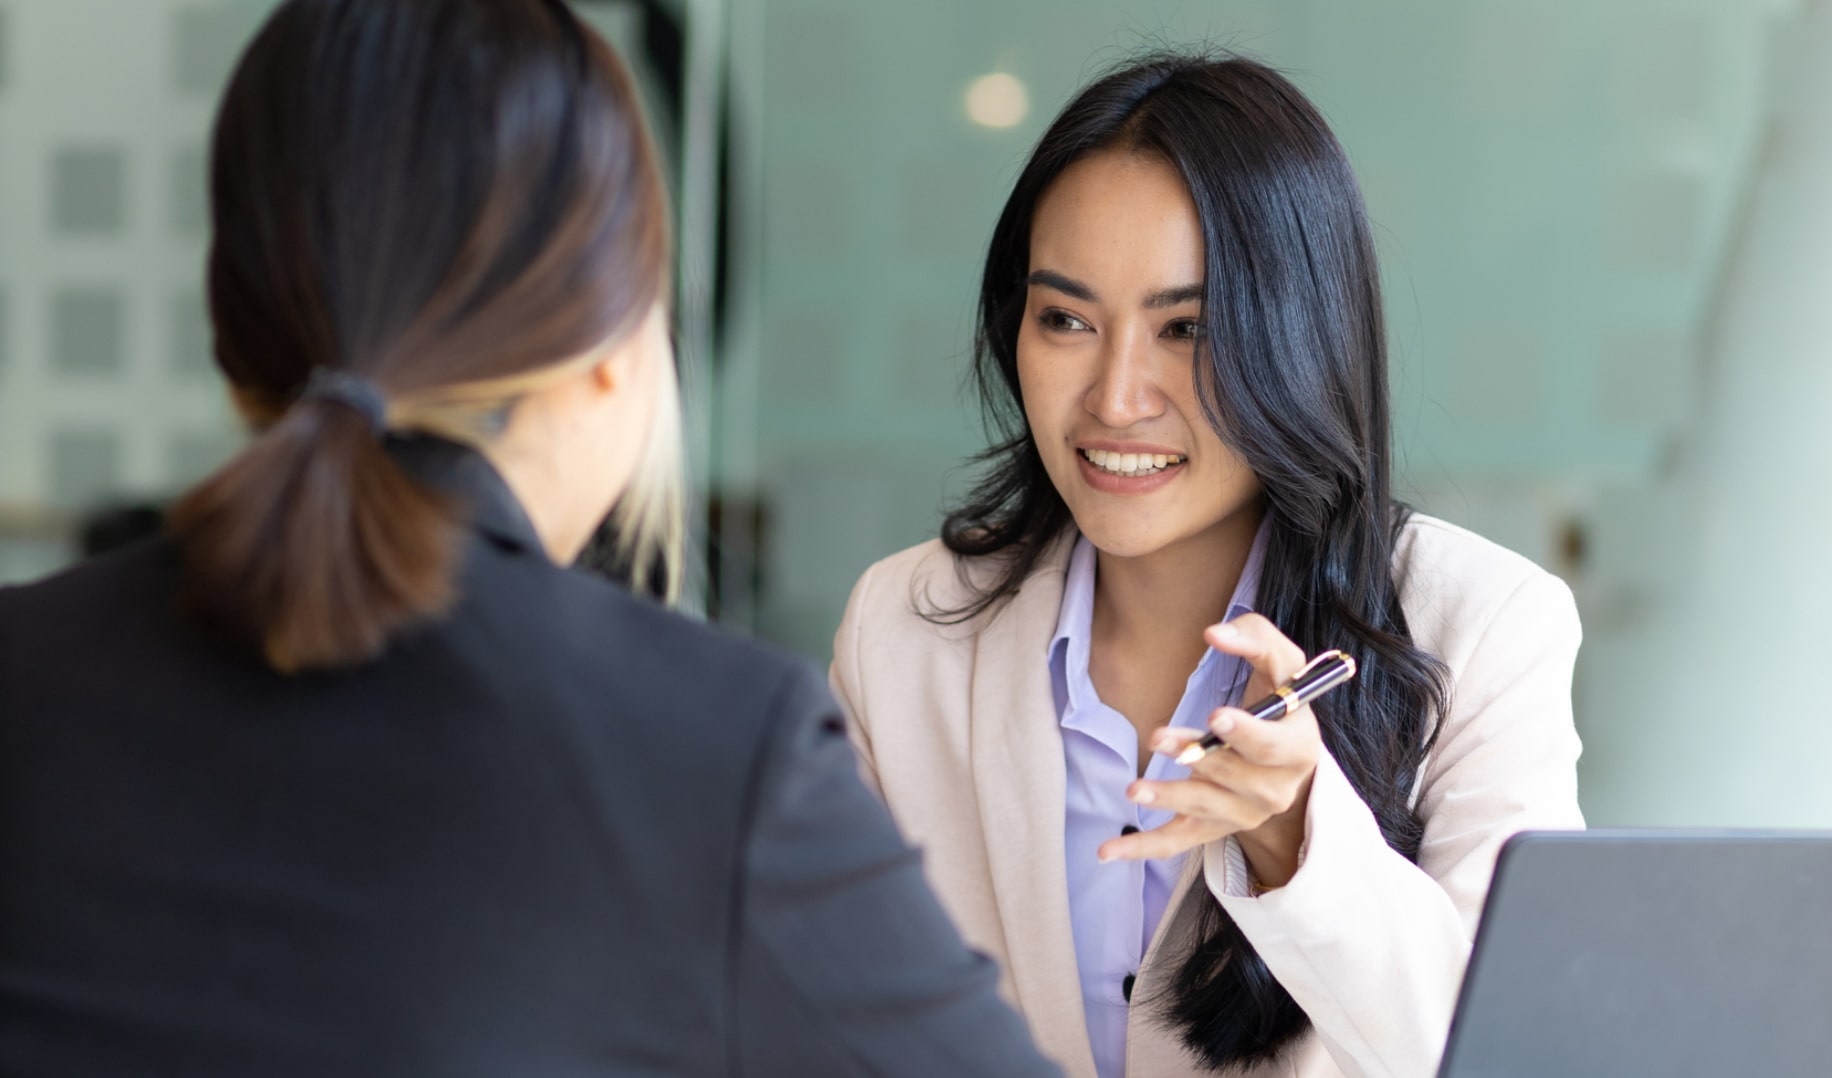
(1128, 473)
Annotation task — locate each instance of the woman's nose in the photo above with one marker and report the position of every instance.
(1125, 391)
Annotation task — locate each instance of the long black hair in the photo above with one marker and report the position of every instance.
(1293, 376)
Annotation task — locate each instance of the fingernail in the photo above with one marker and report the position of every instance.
(1102, 856)
(1222, 722)
(1226, 630)
(1162, 742)
(1144, 795)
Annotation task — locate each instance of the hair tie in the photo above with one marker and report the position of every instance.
(351, 390)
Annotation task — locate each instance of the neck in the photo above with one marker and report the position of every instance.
(545, 495)
(1164, 600)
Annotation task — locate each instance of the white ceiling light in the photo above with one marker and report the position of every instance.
(997, 100)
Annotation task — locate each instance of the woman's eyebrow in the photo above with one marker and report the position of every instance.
(1173, 297)
(1068, 286)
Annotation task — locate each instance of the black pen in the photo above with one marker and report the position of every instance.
(1320, 675)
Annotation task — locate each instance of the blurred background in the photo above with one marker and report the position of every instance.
(1606, 228)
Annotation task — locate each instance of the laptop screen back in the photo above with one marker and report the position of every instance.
(1651, 953)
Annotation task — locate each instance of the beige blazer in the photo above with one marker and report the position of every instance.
(957, 730)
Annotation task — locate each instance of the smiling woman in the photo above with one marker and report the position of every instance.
(1104, 358)
(1181, 344)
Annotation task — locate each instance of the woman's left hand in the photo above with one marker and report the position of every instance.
(1256, 788)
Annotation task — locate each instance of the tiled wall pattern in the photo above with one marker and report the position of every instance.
(88, 187)
(104, 111)
(107, 390)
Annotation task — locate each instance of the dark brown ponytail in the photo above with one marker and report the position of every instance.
(425, 197)
(314, 544)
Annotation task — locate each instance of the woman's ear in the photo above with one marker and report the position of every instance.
(607, 372)
(649, 344)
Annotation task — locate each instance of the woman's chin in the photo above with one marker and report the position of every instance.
(1138, 535)
(1125, 540)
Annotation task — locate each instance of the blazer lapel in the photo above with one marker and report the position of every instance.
(1019, 777)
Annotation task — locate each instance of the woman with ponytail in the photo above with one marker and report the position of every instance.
(1182, 356)
(348, 774)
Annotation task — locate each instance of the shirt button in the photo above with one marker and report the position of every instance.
(1126, 986)
(1129, 830)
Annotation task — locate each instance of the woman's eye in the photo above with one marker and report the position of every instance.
(1184, 329)
(1062, 320)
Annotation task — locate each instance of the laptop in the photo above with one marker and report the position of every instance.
(1662, 953)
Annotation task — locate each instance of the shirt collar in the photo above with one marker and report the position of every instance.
(1075, 623)
(466, 474)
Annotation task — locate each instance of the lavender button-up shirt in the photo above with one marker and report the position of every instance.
(1115, 908)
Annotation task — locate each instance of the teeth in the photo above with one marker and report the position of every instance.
(1130, 464)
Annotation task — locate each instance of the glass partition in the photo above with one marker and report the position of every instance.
(1602, 224)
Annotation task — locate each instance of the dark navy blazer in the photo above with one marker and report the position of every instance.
(563, 832)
